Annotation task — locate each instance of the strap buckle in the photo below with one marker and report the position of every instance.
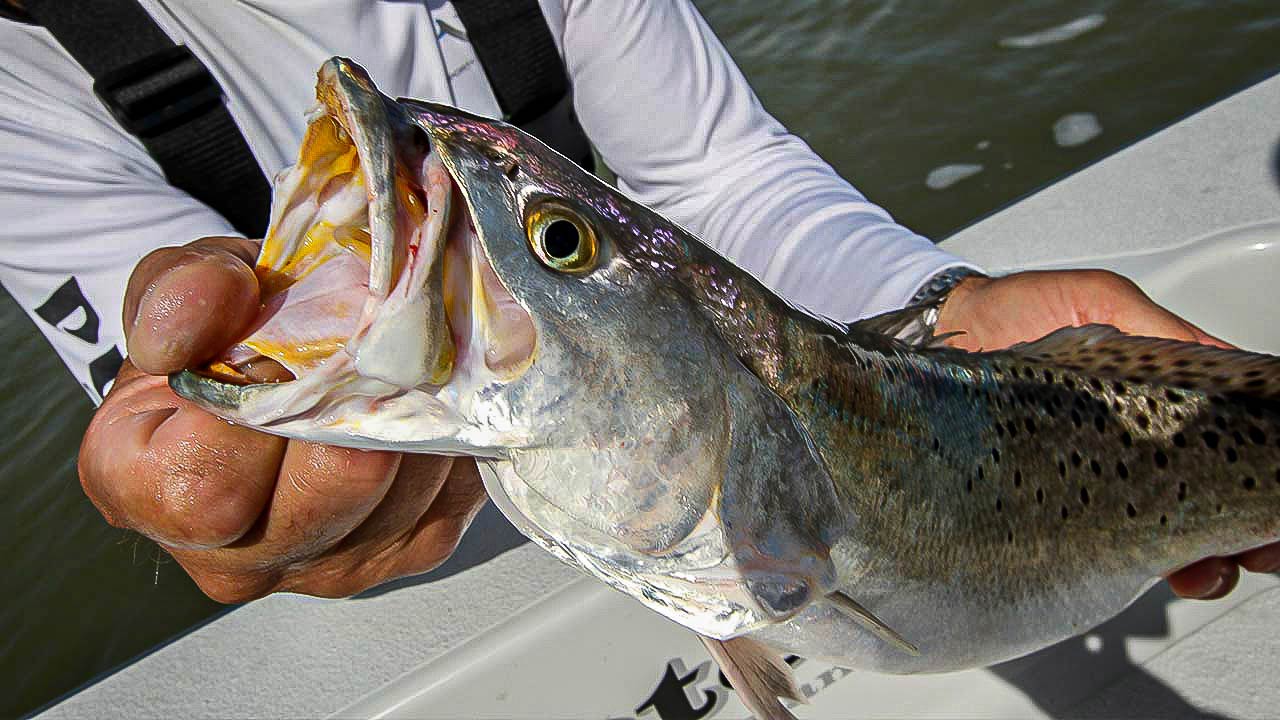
(158, 92)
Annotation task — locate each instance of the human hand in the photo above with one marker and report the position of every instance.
(993, 313)
(245, 513)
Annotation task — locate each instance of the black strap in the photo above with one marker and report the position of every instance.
(514, 45)
(161, 93)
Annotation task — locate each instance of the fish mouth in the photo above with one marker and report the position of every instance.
(378, 303)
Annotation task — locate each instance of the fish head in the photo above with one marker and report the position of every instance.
(435, 281)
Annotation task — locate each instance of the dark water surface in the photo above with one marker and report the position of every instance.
(903, 97)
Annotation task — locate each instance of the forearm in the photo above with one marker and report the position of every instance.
(675, 118)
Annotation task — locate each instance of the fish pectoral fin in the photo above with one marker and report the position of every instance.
(758, 673)
(866, 619)
(911, 325)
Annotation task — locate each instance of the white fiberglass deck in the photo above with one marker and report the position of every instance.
(1193, 213)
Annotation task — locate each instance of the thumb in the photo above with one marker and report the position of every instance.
(184, 305)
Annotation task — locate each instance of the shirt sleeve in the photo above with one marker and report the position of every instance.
(673, 116)
(81, 202)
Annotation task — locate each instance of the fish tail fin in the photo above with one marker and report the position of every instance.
(758, 673)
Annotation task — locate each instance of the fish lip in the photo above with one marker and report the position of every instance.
(221, 397)
(350, 96)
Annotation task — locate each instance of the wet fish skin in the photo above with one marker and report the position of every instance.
(734, 462)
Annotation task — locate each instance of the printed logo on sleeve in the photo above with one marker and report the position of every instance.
(69, 310)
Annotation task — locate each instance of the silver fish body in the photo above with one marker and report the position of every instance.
(743, 467)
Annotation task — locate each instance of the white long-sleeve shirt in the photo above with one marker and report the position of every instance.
(81, 201)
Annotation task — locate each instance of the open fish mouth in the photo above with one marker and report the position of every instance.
(377, 301)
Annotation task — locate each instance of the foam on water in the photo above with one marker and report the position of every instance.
(1056, 34)
(941, 178)
(1076, 129)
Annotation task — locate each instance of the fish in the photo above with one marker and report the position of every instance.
(776, 481)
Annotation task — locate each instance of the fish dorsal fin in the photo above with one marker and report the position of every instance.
(1105, 352)
(758, 673)
(866, 619)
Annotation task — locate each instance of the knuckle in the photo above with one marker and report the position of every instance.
(233, 589)
(331, 583)
(198, 509)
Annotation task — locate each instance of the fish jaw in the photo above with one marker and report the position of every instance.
(375, 299)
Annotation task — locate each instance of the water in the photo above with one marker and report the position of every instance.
(941, 112)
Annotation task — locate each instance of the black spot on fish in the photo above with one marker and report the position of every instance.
(1029, 373)
(1062, 468)
(1179, 363)
(1232, 455)
(1031, 426)
(1040, 491)
(1017, 478)
(1130, 510)
(1048, 376)
(1009, 537)
(1012, 428)
(1096, 384)
(1220, 421)
(1084, 496)
(1122, 470)
(1182, 491)
(1143, 421)
(999, 430)
(1235, 435)
(1255, 383)
(1162, 460)
(1126, 439)
(1076, 459)
(1152, 405)
(1099, 424)
(1250, 483)
(1180, 440)
(1118, 388)
(980, 473)
(999, 505)
(1164, 520)
(968, 485)
(1076, 419)
(1256, 436)
(937, 444)
(1173, 396)
(1210, 439)
(995, 455)
(1095, 467)
(1064, 512)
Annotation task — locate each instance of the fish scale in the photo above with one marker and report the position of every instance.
(1014, 474)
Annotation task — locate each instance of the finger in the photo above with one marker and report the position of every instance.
(184, 305)
(1265, 559)
(438, 531)
(1115, 300)
(411, 494)
(374, 552)
(323, 493)
(155, 463)
(1207, 579)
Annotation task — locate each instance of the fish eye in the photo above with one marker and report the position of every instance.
(562, 239)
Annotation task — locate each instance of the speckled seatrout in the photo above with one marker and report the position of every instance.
(779, 483)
